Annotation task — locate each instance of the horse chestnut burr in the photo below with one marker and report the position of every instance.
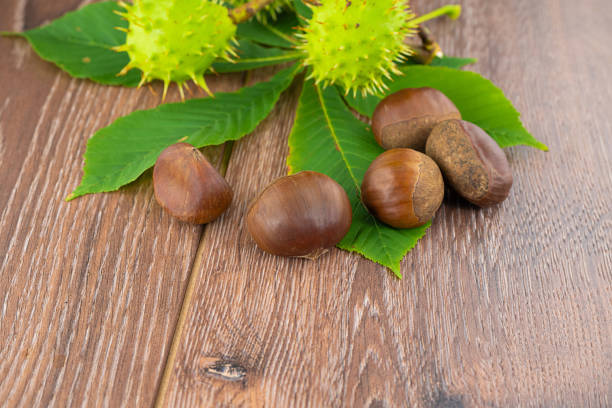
(406, 118)
(471, 161)
(188, 187)
(403, 188)
(303, 214)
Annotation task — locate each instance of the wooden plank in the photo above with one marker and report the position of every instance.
(508, 306)
(89, 290)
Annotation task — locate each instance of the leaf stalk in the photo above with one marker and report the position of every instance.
(451, 10)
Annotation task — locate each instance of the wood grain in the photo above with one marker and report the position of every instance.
(508, 306)
(89, 290)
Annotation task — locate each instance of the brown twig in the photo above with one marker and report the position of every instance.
(429, 48)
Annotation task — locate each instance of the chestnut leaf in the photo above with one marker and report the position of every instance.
(477, 98)
(303, 12)
(251, 56)
(450, 62)
(326, 137)
(80, 43)
(119, 153)
(278, 33)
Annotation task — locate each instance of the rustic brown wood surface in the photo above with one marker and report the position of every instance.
(509, 306)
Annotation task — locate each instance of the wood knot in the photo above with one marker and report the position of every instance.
(225, 370)
(445, 400)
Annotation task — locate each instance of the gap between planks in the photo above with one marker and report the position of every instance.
(194, 276)
(178, 331)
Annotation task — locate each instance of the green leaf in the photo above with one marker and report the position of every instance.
(477, 98)
(253, 56)
(119, 153)
(450, 62)
(327, 138)
(303, 11)
(80, 43)
(277, 34)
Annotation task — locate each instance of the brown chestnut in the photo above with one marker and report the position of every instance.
(403, 188)
(471, 161)
(188, 187)
(406, 118)
(303, 214)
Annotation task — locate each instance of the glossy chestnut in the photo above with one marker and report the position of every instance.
(188, 187)
(471, 161)
(406, 118)
(403, 188)
(303, 214)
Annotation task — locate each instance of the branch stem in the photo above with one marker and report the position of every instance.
(246, 11)
(429, 48)
(451, 10)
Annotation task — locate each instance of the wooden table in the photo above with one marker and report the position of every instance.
(107, 301)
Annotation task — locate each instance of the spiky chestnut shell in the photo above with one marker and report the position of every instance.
(269, 12)
(176, 40)
(355, 43)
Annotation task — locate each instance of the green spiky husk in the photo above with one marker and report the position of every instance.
(176, 40)
(356, 43)
(270, 12)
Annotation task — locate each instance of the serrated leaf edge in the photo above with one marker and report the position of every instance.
(80, 191)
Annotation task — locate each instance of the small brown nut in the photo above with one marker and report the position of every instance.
(403, 188)
(471, 161)
(188, 187)
(406, 118)
(303, 214)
